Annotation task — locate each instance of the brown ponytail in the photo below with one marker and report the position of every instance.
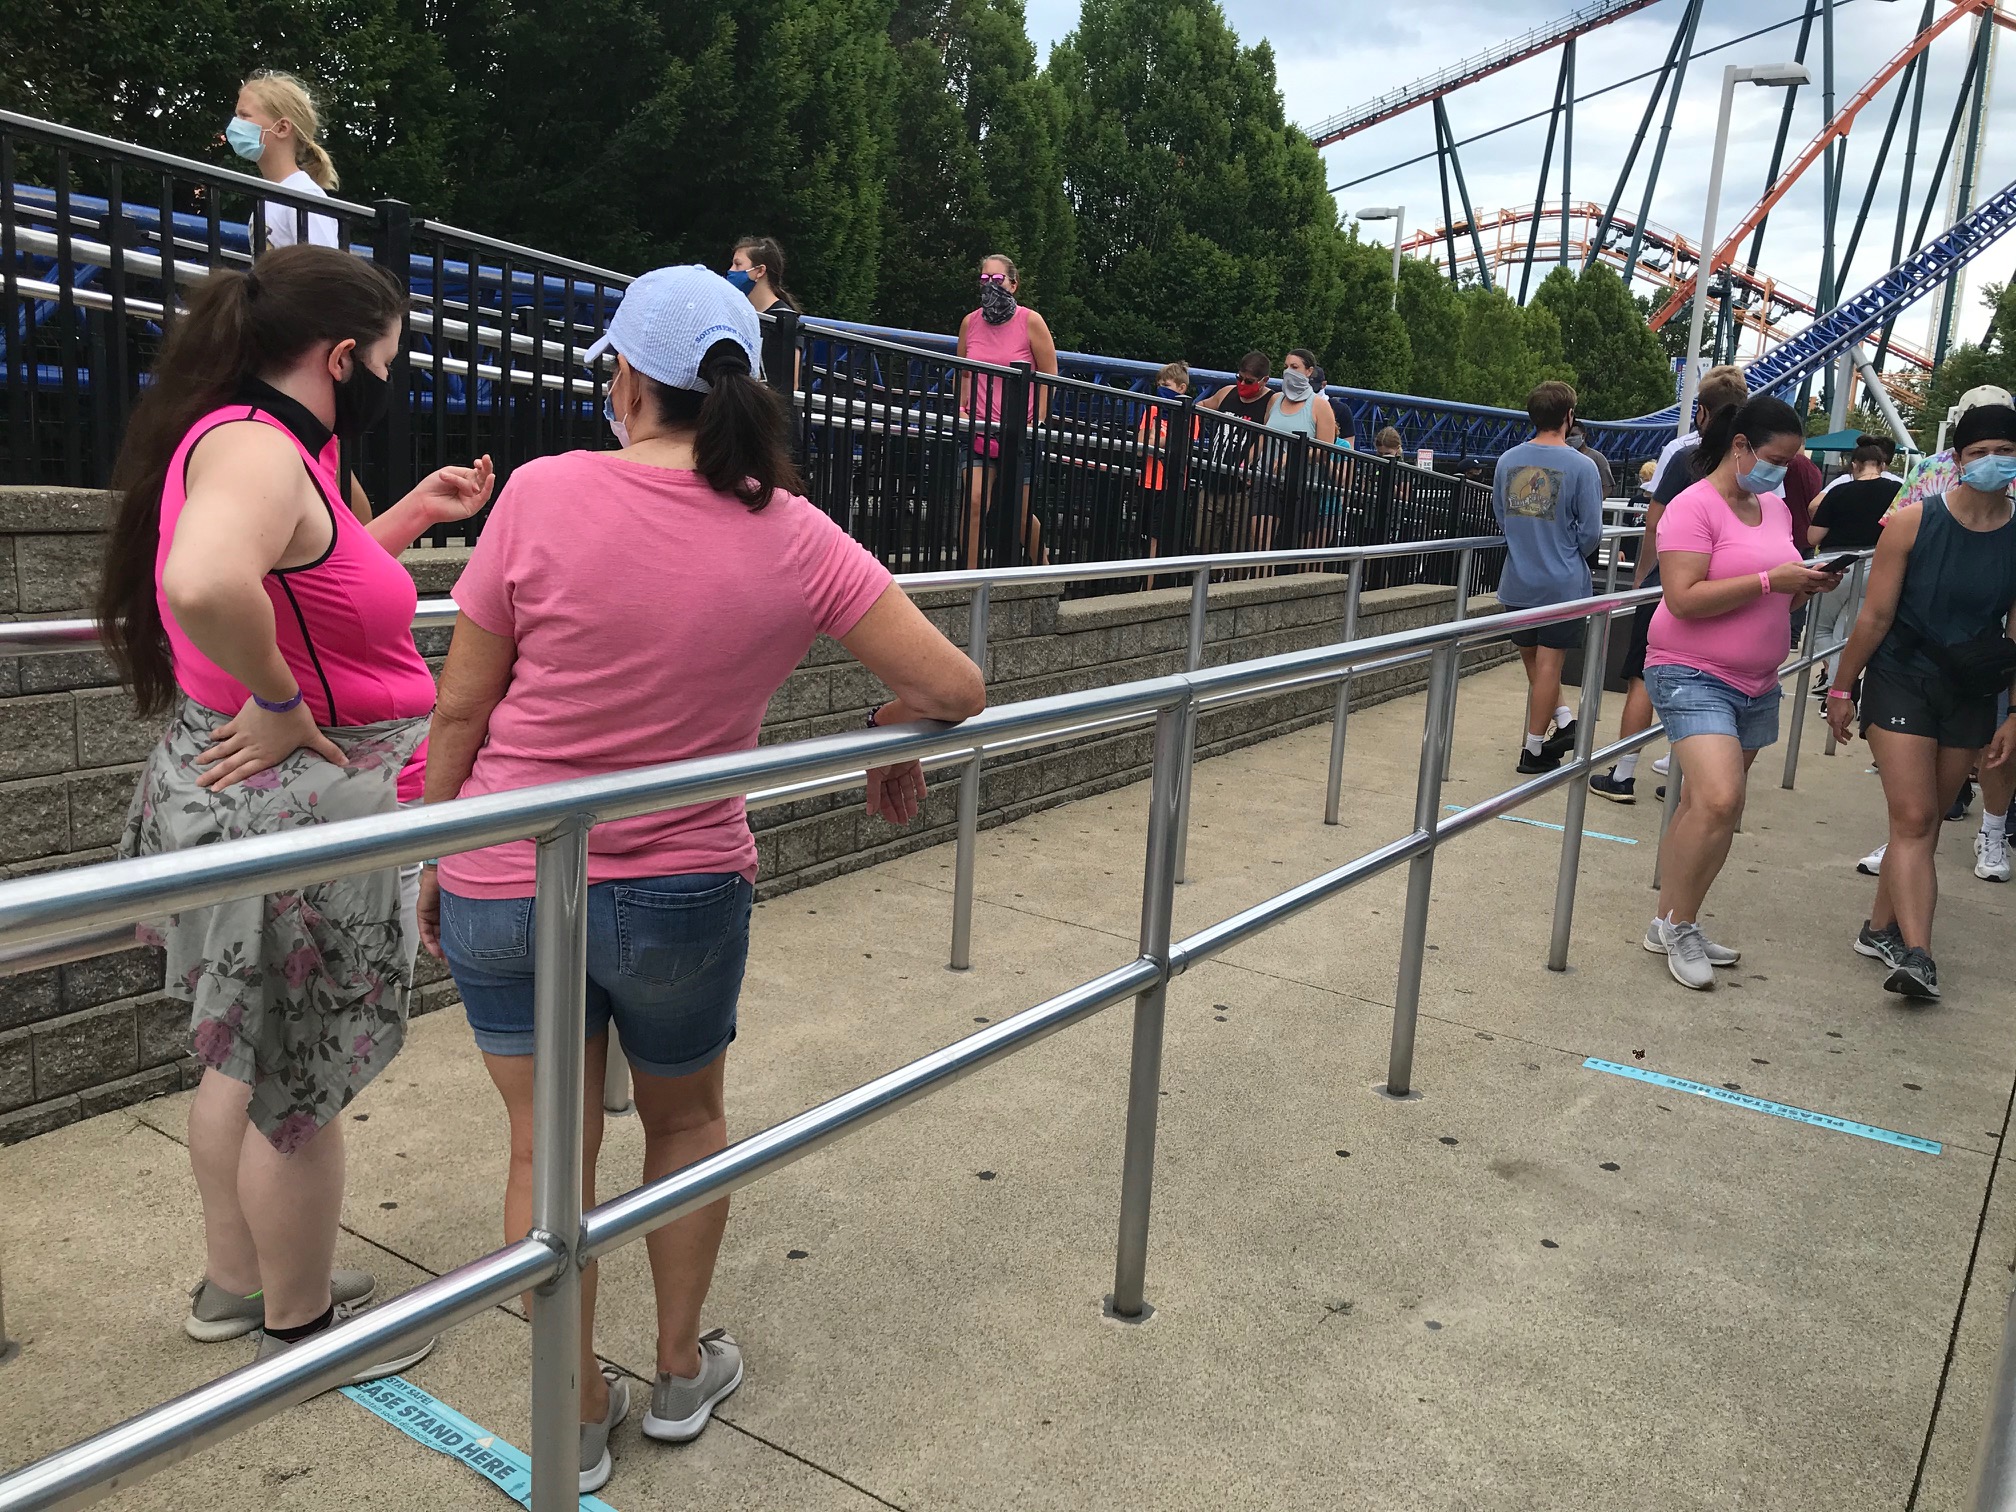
(742, 432)
(237, 326)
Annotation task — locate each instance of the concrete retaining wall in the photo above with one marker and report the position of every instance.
(78, 1040)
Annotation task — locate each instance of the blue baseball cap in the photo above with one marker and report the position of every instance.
(669, 317)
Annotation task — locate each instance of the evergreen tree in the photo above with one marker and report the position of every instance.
(1620, 369)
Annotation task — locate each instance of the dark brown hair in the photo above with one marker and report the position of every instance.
(1757, 420)
(1867, 454)
(742, 433)
(237, 326)
(767, 253)
(1256, 365)
(1550, 404)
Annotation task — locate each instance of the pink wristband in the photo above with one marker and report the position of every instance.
(1765, 579)
(1839, 693)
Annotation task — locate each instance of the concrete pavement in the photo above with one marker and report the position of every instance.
(1537, 1286)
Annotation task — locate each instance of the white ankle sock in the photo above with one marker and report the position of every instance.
(1534, 744)
(1627, 767)
(1995, 825)
(1563, 716)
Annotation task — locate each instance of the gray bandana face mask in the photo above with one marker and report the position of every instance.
(1295, 386)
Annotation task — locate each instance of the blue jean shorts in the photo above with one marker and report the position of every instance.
(665, 959)
(1690, 702)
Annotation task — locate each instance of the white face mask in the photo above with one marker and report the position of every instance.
(616, 427)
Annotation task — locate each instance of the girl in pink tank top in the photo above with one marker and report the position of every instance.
(245, 603)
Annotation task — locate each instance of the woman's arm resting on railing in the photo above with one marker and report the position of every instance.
(444, 496)
(931, 678)
(473, 683)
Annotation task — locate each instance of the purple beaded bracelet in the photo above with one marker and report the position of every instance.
(286, 707)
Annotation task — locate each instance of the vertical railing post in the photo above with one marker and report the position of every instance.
(1193, 658)
(1855, 595)
(1465, 570)
(1995, 1473)
(8, 1348)
(1177, 449)
(1666, 814)
(616, 1079)
(1595, 654)
(1013, 420)
(559, 1023)
(1333, 791)
(1805, 691)
(1421, 872)
(969, 802)
(392, 250)
(1174, 734)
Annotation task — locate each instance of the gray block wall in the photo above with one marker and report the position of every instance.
(81, 1039)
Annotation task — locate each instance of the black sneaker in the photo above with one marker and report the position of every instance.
(1915, 977)
(1561, 742)
(1885, 944)
(1616, 789)
(1660, 792)
(1960, 805)
(1532, 765)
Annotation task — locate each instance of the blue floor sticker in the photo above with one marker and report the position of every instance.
(441, 1428)
(1559, 829)
(1776, 1110)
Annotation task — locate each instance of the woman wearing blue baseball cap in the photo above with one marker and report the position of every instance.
(621, 609)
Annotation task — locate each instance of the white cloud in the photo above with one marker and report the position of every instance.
(1333, 57)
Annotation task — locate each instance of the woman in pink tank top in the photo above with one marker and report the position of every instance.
(244, 600)
(1001, 333)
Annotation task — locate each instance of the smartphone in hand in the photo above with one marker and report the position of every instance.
(1840, 563)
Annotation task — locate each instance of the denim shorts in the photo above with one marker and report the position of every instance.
(665, 959)
(1690, 702)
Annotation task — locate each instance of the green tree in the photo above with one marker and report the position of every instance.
(1432, 311)
(1620, 368)
(974, 166)
(1969, 365)
(1204, 224)
(1507, 349)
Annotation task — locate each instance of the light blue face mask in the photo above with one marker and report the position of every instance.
(1989, 474)
(247, 138)
(1763, 478)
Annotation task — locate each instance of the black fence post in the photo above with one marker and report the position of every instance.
(392, 250)
(780, 369)
(1298, 513)
(1179, 441)
(1012, 416)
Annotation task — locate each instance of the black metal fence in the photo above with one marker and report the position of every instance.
(932, 461)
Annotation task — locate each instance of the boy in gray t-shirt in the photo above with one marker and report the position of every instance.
(1548, 498)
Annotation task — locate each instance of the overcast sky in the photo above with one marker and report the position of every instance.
(1334, 57)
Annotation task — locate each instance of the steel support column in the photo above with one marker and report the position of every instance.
(1984, 38)
(1688, 22)
(1463, 192)
(1638, 141)
(1561, 88)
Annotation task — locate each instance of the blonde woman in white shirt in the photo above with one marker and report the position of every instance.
(275, 126)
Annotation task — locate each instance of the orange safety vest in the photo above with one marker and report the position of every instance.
(1155, 434)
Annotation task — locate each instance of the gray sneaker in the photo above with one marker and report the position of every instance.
(1885, 944)
(1686, 952)
(1914, 977)
(595, 1461)
(216, 1314)
(680, 1407)
(392, 1364)
(1718, 955)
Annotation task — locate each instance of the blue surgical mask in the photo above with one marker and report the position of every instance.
(742, 278)
(616, 427)
(1763, 478)
(1989, 474)
(246, 138)
(1168, 391)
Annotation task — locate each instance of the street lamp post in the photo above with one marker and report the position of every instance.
(1398, 215)
(1769, 75)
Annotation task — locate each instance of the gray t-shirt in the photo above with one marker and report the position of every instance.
(1549, 504)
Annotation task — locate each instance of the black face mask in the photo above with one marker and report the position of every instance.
(361, 401)
(997, 303)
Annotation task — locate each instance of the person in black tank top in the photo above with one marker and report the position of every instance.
(1933, 636)
(1227, 494)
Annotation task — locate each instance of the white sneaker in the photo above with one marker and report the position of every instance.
(1686, 952)
(1718, 955)
(1662, 764)
(1871, 865)
(1991, 856)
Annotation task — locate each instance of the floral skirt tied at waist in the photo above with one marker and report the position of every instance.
(300, 995)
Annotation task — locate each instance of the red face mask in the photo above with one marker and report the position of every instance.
(1251, 388)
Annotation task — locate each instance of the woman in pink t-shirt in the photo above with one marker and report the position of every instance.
(1731, 577)
(242, 597)
(622, 609)
(1003, 333)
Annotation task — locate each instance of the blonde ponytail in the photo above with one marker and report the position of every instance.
(285, 97)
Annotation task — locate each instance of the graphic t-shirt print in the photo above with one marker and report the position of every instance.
(1533, 493)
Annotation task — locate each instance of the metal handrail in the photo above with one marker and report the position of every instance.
(558, 817)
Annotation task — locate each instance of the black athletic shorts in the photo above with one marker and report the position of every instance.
(1905, 704)
(1565, 636)
(1634, 657)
